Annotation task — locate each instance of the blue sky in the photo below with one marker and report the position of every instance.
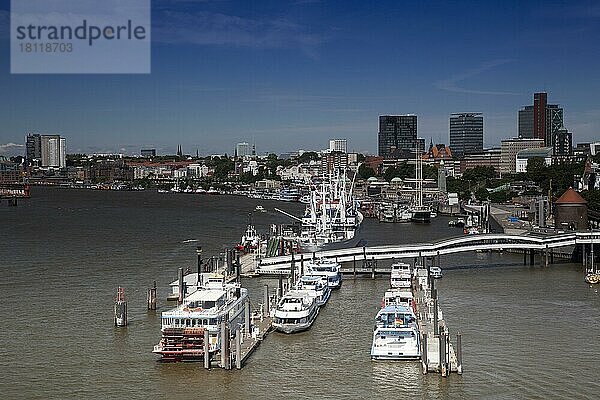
(292, 74)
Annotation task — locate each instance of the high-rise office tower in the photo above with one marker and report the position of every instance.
(466, 133)
(337, 145)
(243, 149)
(541, 120)
(562, 143)
(46, 150)
(397, 135)
(33, 148)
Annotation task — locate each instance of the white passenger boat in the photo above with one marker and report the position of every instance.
(296, 311)
(396, 335)
(329, 269)
(183, 328)
(398, 297)
(318, 284)
(401, 275)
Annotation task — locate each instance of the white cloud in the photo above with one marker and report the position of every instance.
(452, 84)
(11, 149)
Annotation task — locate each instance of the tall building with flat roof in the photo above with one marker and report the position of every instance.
(466, 134)
(46, 150)
(243, 149)
(33, 148)
(338, 145)
(397, 135)
(541, 120)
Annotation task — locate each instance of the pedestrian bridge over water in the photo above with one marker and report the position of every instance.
(533, 242)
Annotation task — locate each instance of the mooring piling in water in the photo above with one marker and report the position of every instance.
(424, 354)
(459, 353)
(180, 286)
(436, 326)
(151, 297)
(247, 318)
(442, 344)
(266, 300)
(206, 349)
(238, 348)
(120, 308)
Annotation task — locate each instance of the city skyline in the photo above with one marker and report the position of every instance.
(304, 72)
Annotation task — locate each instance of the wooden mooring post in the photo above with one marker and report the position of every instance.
(238, 348)
(151, 297)
(459, 353)
(120, 308)
(424, 363)
(206, 349)
(180, 286)
(266, 300)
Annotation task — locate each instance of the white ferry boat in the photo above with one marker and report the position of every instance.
(398, 297)
(183, 328)
(318, 284)
(329, 269)
(296, 311)
(396, 335)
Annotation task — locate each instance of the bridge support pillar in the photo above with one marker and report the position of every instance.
(584, 256)
(592, 258)
(354, 265)
(524, 256)
(301, 264)
(546, 255)
(551, 256)
(373, 268)
(531, 257)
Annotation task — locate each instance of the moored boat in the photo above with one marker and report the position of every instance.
(296, 311)
(396, 335)
(318, 284)
(183, 328)
(329, 269)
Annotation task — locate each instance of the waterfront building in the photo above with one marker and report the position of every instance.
(338, 145)
(421, 145)
(466, 133)
(10, 172)
(397, 134)
(523, 157)
(570, 211)
(509, 149)
(540, 120)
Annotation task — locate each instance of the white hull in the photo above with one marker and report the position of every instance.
(396, 344)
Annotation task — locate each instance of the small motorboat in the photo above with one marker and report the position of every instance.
(592, 279)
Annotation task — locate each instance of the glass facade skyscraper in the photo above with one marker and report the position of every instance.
(466, 134)
(397, 135)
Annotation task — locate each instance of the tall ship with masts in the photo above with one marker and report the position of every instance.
(331, 219)
(420, 212)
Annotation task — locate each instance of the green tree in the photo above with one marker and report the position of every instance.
(536, 169)
(365, 172)
(308, 156)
